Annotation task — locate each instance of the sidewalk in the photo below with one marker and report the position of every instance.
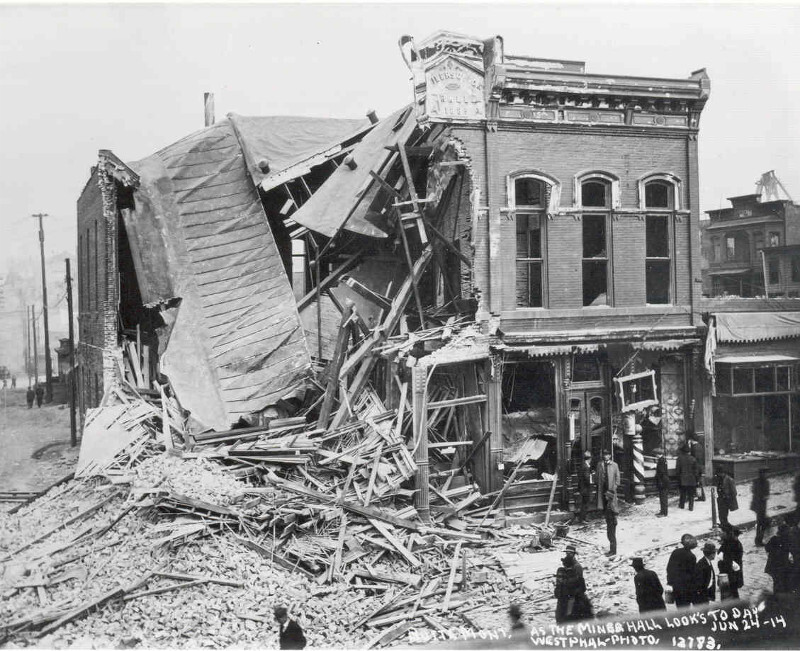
(639, 528)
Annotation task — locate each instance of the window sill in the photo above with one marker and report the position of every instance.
(604, 310)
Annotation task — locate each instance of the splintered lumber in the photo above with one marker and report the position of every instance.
(369, 512)
(390, 577)
(393, 599)
(329, 280)
(272, 556)
(207, 579)
(393, 619)
(454, 565)
(167, 588)
(56, 483)
(384, 531)
(386, 637)
(79, 612)
(550, 499)
(83, 514)
(336, 364)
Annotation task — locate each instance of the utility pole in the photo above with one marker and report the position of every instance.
(73, 429)
(35, 347)
(48, 361)
(28, 343)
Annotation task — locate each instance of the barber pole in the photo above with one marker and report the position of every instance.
(639, 469)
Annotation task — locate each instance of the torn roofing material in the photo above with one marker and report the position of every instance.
(237, 345)
(278, 149)
(344, 198)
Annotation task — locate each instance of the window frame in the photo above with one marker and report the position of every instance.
(728, 369)
(667, 178)
(669, 226)
(548, 184)
(612, 203)
(540, 216)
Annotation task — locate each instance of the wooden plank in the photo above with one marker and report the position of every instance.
(207, 579)
(83, 514)
(407, 170)
(454, 564)
(384, 531)
(330, 279)
(373, 474)
(83, 610)
(389, 636)
(550, 499)
(167, 588)
(452, 402)
(335, 365)
(369, 512)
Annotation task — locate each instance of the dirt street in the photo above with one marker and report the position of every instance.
(35, 443)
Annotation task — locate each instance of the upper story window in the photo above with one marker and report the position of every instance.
(532, 195)
(659, 191)
(598, 192)
(659, 195)
(594, 194)
(595, 260)
(774, 238)
(529, 192)
(737, 247)
(716, 253)
(657, 259)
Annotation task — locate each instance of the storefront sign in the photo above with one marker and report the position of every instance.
(636, 391)
(454, 91)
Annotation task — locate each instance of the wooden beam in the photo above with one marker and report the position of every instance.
(330, 279)
(464, 400)
(408, 254)
(365, 292)
(335, 365)
(413, 194)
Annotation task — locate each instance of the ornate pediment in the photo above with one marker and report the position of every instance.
(454, 90)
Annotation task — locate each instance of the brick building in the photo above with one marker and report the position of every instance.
(749, 243)
(544, 217)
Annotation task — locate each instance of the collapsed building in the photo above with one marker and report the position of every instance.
(509, 264)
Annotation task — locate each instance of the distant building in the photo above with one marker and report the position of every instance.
(734, 239)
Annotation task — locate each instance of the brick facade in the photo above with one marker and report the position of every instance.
(97, 288)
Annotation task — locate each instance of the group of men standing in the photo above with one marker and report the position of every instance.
(36, 393)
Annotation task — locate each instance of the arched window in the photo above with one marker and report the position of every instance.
(659, 197)
(659, 191)
(532, 196)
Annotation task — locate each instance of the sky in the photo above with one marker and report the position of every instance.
(131, 78)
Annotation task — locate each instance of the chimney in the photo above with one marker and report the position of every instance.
(208, 105)
(372, 116)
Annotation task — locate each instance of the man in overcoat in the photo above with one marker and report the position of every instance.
(608, 475)
(662, 484)
(290, 635)
(705, 575)
(687, 470)
(647, 587)
(681, 571)
(727, 498)
(584, 485)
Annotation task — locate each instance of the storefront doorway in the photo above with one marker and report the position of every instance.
(588, 423)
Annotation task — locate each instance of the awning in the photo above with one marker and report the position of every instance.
(726, 224)
(664, 345)
(548, 351)
(738, 327)
(755, 359)
(730, 272)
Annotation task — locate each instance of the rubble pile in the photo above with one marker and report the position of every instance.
(319, 519)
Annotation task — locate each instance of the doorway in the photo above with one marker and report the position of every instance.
(588, 423)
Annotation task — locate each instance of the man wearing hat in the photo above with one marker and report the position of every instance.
(584, 484)
(608, 481)
(705, 575)
(760, 491)
(732, 562)
(662, 484)
(647, 587)
(570, 551)
(681, 571)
